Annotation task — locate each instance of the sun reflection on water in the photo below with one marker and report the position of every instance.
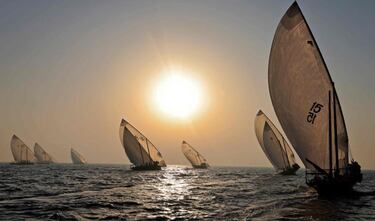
(173, 184)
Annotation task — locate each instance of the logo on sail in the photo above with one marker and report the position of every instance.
(314, 110)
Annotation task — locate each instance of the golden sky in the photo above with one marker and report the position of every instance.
(69, 71)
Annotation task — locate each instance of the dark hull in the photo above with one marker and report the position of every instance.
(44, 162)
(332, 187)
(202, 166)
(22, 163)
(291, 170)
(146, 167)
(335, 184)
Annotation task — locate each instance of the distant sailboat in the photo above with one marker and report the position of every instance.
(41, 155)
(306, 104)
(21, 153)
(195, 158)
(76, 157)
(141, 152)
(274, 145)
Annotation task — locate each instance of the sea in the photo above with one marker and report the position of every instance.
(114, 192)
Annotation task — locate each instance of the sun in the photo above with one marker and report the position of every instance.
(178, 95)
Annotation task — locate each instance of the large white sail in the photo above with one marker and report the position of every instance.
(21, 152)
(41, 155)
(273, 143)
(138, 148)
(195, 158)
(300, 85)
(77, 158)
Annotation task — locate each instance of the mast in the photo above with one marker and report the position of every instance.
(329, 134)
(148, 149)
(140, 149)
(286, 153)
(282, 154)
(282, 147)
(334, 98)
(337, 170)
(198, 159)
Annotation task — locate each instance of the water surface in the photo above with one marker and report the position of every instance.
(113, 192)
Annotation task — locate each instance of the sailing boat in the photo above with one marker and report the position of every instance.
(141, 152)
(306, 103)
(195, 158)
(21, 153)
(76, 157)
(41, 155)
(274, 145)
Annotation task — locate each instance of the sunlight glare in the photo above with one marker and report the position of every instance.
(178, 95)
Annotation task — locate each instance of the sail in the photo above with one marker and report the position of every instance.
(273, 143)
(41, 155)
(195, 158)
(76, 157)
(299, 85)
(20, 151)
(138, 148)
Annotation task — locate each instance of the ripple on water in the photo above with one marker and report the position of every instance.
(113, 192)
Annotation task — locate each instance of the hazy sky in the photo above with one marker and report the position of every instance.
(70, 70)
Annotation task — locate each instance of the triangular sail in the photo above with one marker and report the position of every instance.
(20, 151)
(41, 155)
(300, 84)
(195, 158)
(138, 148)
(273, 143)
(77, 158)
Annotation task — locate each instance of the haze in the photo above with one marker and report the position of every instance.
(70, 70)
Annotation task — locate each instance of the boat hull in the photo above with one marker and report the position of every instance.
(291, 170)
(331, 187)
(146, 167)
(22, 163)
(44, 162)
(80, 163)
(338, 184)
(202, 166)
